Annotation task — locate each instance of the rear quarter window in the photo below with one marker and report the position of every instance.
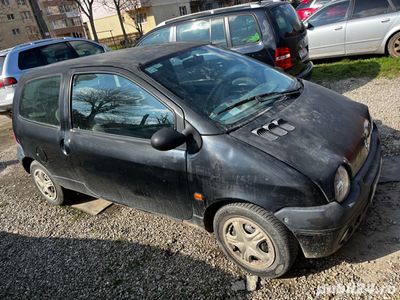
(243, 30)
(39, 100)
(2, 59)
(286, 20)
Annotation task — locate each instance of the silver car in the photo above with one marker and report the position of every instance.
(16, 61)
(353, 27)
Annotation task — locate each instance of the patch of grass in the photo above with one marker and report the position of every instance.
(386, 67)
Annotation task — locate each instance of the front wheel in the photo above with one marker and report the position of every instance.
(255, 240)
(394, 45)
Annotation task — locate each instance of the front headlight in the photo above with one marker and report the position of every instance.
(342, 184)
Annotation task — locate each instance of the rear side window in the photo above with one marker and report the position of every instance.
(364, 8)
(84, 48)
(243, 30)
(193, 31)
(287, 20)
(45, 55)
(158, 37)
(39, 101)
(218, 37)
(113, 104)
(396, 4)
(329, 15)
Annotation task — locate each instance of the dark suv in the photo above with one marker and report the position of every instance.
(268, 31)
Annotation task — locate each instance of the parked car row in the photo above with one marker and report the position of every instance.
(269, 31)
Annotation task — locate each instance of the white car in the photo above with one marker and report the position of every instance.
(17, 60)
(354, 27)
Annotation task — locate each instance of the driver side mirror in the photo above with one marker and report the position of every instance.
(167, 138)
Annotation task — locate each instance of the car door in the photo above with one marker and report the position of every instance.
(327, 29)
(113, 118)
(368, 25)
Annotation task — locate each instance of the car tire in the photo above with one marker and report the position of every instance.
(394, 45)
(47, 186)
(255, 240)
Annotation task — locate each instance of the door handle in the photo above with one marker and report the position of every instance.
(338, 28)
(64, 147)
(385, 20)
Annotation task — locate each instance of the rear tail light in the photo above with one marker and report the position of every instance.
(283, 59)
(7, 81)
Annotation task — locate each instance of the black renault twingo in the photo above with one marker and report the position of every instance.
(266, 161)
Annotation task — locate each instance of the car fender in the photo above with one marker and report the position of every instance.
(389, 34)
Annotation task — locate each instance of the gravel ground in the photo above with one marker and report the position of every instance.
(59, 252)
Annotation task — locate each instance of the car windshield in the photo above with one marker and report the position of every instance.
(222, 85)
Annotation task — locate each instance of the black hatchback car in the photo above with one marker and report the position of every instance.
(266, 161)
(268, 31)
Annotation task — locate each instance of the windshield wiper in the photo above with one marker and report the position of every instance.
(260, 99)
(239, 103)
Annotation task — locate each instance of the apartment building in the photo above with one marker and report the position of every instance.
(17, 23)
(22, 21)
(148, 12)
(61, 17)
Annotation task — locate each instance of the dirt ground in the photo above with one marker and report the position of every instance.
(59, 252)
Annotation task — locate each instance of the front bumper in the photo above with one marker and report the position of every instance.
(322, 230)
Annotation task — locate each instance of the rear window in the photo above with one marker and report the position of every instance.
(39, 100)
(45, 55)
(84, 48)
(2, 59)
(364, 9)
(287, 20)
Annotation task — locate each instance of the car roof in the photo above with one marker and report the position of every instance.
(39, 43)
(220, 11)
(130, 59)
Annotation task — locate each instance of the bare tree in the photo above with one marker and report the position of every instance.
(134, 11)
(119, 6)
(86, 6)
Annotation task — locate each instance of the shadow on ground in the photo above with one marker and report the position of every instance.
(62, 268)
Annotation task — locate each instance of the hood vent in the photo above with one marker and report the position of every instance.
(273, 130)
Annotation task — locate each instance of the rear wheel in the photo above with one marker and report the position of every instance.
(394, 45)
(255, 240)
(47, 186)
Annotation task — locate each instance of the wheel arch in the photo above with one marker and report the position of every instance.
(211, 210)
(26, 163)
(388, 39)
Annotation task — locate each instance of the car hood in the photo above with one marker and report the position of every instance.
(317, 132)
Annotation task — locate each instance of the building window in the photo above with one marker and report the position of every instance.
(25, 15)
(16, 31)
(182, 10)
(21, 2)
(58, 24)
(75, 21)
(31, 30)
(52, 10)
(10, 17)
(5, 2)
(142, 18)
